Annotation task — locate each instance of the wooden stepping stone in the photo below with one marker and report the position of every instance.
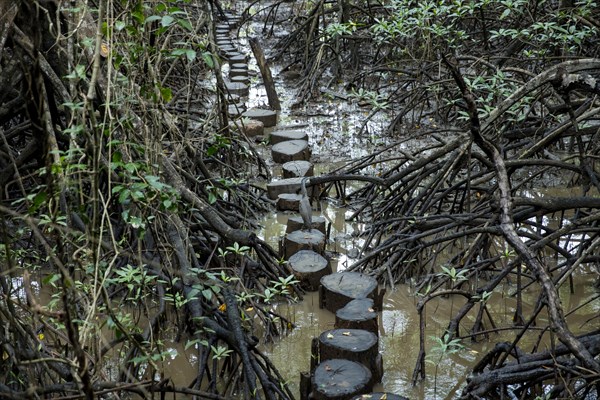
(308, 268)
(282, 136)
(224, 41)
(351, 344)
(236, 57)
(250, 127)
(239, 66)
(358, 314)
(337, 290)
(241, 78)
(237, 88)
(291, 150)
(289, 185)
(235, 110)
(238, 72)
(303, 240)
(288, 202)
(233, 98)
(379, 396)
(268, 117)
(298, 168)
(295, 223)
(340, 380)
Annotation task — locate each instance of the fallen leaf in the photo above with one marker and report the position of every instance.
(371, 310)
(329, 336)
(328, 368)
(346, 334)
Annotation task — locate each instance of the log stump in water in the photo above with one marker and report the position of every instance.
(379, 396)
(288, 202)
(268, 117)
(340, 380)
(339, 289)
(358, 314)
(299, 168)
(295, 223)
(308, 268)
(289, 185)
(354, 345)
(290, 150)
(285, 135)
(303, 240)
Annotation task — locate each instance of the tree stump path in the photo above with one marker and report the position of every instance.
(345, 362)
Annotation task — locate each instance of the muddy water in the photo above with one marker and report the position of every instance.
(399, 322)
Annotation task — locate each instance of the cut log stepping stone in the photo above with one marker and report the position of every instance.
(241, 78)
(288, 202)
(233, 72)
(236, 58)
(237, 88)
(236, 110)
(358, 314)
(379, 396)
(308, 268)
(351, 344)
(250, 127)
(233, 98)
(298, 168)
(289, 185)
(290, 150)
(339, 289)
(295, 223)
(268, 117)
(282, 136)
(239, 66)
(340, 380)
(303, 240)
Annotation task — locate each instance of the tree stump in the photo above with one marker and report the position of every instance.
(358, 314)
(340, 380)
(237, 88)
(236, 72)
(290, 150)
(240, 78)
(354, 345)
(379, 396)
(290, 185)
(337, 290)
(299, 168)
(308, 268)
(288, 201)
(303, 240)
(268, 117)
(284, 135)
(236, 110)
(295, 223)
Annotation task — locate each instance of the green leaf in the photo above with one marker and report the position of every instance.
(166, 94)
(152, 18)
(167, 20)
(208, 59)
(185, 24)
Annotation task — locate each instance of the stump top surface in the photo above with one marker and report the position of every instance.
(350, 284)
(356, 340)
(290, 146)
(357, 310)
(379, 396)
(307, 261)
(312, 236)
(336, 378)
(259, 113)
(289, 196)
